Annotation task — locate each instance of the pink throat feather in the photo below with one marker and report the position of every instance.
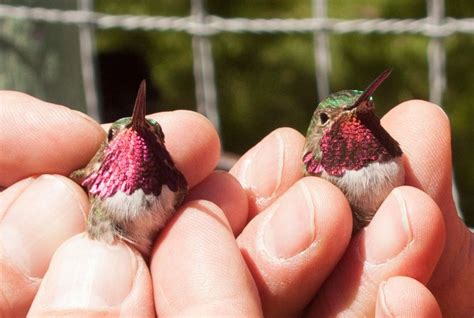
(132, 160)
(348, 145)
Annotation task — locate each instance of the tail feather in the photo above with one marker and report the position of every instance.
(360, 218)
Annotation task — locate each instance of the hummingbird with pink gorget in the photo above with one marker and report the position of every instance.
(133, 184)
(347, 145)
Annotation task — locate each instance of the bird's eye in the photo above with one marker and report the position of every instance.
(110, 134)
(323, 117)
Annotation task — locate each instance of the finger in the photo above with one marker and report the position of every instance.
(405, 297)
(405, 238)
(9, 196)
(424, 133)
(293, 245)
(222, 189)
(270, 168)
(95, 279)
(197, 268)
(43, 138)
(192, 141)
(37, 216)
(46, 138)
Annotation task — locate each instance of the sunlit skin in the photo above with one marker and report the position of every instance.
(224, 231)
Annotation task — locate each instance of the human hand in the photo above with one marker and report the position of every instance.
(216, 281)
(195, 265)
(302, 228)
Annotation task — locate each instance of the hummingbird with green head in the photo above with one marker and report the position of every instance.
(133, 184)
(347, 145)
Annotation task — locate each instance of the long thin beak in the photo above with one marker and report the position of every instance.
(370, 89)
(139, 110)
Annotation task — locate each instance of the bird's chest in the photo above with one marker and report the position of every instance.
(349, 146)
(366, 188)
(122, 206)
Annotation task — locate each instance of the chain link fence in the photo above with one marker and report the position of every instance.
(201, 26)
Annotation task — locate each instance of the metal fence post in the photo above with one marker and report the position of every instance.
(87, 47)
(322, 57)
(203, 65)
(436, 53)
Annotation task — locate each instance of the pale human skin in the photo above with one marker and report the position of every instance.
(261, 240)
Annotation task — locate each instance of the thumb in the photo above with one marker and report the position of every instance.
(93, 278)
(402, 296)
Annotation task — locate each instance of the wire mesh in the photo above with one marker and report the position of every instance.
(201, 25)
(87, 47)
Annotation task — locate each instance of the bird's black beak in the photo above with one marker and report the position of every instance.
(139, 110)
(370, 90)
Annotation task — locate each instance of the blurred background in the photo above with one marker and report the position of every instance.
(250, 66)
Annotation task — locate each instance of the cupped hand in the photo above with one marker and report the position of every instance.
(298, 245)
(45, 258)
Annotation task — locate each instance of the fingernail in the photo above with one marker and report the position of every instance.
(383, 302)
(291, 227)
(46, 213)
(10, 194)
(390, 231)
(85, 273)
(267, 160)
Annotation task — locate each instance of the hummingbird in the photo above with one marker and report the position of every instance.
(346, 145)
(133, 184)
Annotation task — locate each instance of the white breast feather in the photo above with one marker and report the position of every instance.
(141, 214)
(367, 188)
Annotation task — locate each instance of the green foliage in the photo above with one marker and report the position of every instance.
(266, 81)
